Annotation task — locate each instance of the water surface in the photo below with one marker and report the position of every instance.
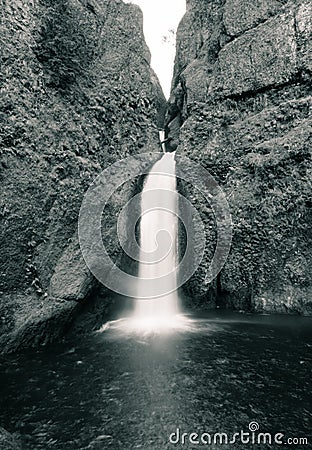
(106, 391)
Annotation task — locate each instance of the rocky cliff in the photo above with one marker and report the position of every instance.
(77, 94)
(241, 106)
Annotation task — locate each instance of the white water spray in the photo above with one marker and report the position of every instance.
(159, 232)
(156, 306)
(159, 239)
(162, 141)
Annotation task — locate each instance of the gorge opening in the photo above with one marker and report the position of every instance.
(159, 205)
(160, 22)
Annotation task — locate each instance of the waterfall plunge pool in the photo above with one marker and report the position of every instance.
(102, 391)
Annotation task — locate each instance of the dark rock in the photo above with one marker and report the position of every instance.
(8, 441)
(77, 94)
(173, 131)
(246, 117)
(36, 322)
(242, 15)
(71, 279)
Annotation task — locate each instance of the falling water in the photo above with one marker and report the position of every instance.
(162, 141)
(158, 232)
(154, 310)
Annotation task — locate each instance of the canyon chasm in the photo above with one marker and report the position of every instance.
(78, 93)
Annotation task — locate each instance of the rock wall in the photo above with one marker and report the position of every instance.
(8, 441)
(241, 95)
(77, 94)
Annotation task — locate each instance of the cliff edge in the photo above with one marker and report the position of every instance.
(77, 94)
(241, 107)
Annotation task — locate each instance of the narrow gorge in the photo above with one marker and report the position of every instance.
(77, 94)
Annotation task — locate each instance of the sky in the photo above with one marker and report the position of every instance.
(161, 19)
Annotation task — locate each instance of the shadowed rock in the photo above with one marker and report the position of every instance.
(77, 94)
(246, 117)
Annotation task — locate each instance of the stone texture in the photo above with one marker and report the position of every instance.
(259, 58)
(71, 279)
(242, 15)
(304, 34)
(35, 322)
(252, 131)
(8, 441)
(200, 36)
(77, 94)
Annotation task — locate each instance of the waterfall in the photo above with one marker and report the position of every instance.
(162, 139)
(156, 306)
(159, 238)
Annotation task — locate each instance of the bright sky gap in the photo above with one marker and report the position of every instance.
(161, 19)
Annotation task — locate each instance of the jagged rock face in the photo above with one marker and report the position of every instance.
(8, 441)
(244, 70)
(77, 94)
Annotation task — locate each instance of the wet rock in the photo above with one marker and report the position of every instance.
(77, 94)
(173, 131)
(247, 119)
(71, 279)
(8, 441)
(37, 322)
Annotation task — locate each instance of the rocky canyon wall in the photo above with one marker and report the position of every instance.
(77, 94)
(241, 107)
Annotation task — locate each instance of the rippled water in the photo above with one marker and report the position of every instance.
(108, 391)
